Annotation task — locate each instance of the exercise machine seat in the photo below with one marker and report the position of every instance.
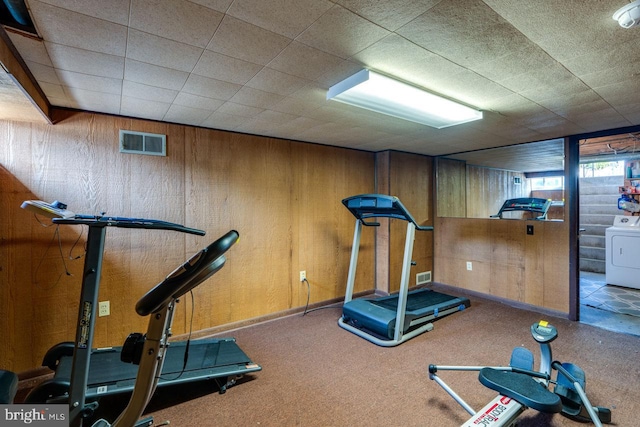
(522, 388)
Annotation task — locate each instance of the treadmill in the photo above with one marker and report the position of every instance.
(83, 374)
(525, 204)
(391, 320)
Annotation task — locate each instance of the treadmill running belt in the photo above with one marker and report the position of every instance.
(107, 368)
(415, 300)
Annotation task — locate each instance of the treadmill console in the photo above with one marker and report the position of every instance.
(366, 206)
(526, 204)
(50, 210)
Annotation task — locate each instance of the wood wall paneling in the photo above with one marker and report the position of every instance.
(451, 188)
(507, 263)
(283, 197)
(411, 180)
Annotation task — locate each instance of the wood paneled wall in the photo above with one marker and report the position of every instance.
(506, 262)
(283, 197)
(467, 191)
(451, 183)
(487, 190)
(411, 180)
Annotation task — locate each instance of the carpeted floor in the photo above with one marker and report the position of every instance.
(317, 374)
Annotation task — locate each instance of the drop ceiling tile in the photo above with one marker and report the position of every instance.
(220, 120)
(276, 117)
(618, 94)
(630, 112)
(65, 102)
(152, 49)
(577, 103)
(186, 115)
(113, 10)
(246, 41)
(90, 100)
(338, 73)
(312, 93)
(239, 110)
(480, 35)
(87, 62)
(225, 68)
(565, 29)
(390, 14)
(257, 126)
(52, 90)
(219, 5)
(398, 57)
(304, 61)
(153, 75)
(298, 125)
(212, 88)
(286, 17)
(88, 82)
(143, 108)
(256, 98)
(341, 33)
(178, 20)
(523, 60)
(598, 65)
(293, 105)
(554, 77)
(43, 73)
(151, 93)
(70, 28)
(30, 49)
(195, 101)
(269, 80)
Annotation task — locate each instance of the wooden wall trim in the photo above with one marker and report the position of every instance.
(20, 74)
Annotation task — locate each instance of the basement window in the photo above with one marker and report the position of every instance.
(547, 183)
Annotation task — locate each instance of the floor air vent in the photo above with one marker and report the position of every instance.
(143, 143)
(422, 278)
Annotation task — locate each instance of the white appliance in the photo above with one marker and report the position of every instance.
(622, 246)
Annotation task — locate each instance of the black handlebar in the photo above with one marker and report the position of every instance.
(367, 206)
(187, 276)
(122, 222)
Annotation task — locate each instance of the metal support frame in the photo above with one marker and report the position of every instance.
(399, 336)
(86, 322)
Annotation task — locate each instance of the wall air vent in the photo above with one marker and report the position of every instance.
(422, 278)
(143, 143)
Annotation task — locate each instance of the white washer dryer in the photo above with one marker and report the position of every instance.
(622, 246)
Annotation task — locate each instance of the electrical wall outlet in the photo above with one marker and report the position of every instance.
(469, 265)
(303, 275)
(104, 308)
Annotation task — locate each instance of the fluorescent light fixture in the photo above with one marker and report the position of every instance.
(375, 92)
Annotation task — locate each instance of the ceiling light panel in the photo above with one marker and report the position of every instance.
(375, 92)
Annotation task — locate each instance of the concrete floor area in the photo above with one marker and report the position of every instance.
(609, 307)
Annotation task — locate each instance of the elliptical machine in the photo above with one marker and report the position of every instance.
(521, 387)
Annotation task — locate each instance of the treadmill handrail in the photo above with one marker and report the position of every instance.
(366, 206)
(188, 275)
(124, 222)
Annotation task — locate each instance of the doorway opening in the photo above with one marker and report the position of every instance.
(603, 178)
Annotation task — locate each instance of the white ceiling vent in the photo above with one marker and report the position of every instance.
(143, 143)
